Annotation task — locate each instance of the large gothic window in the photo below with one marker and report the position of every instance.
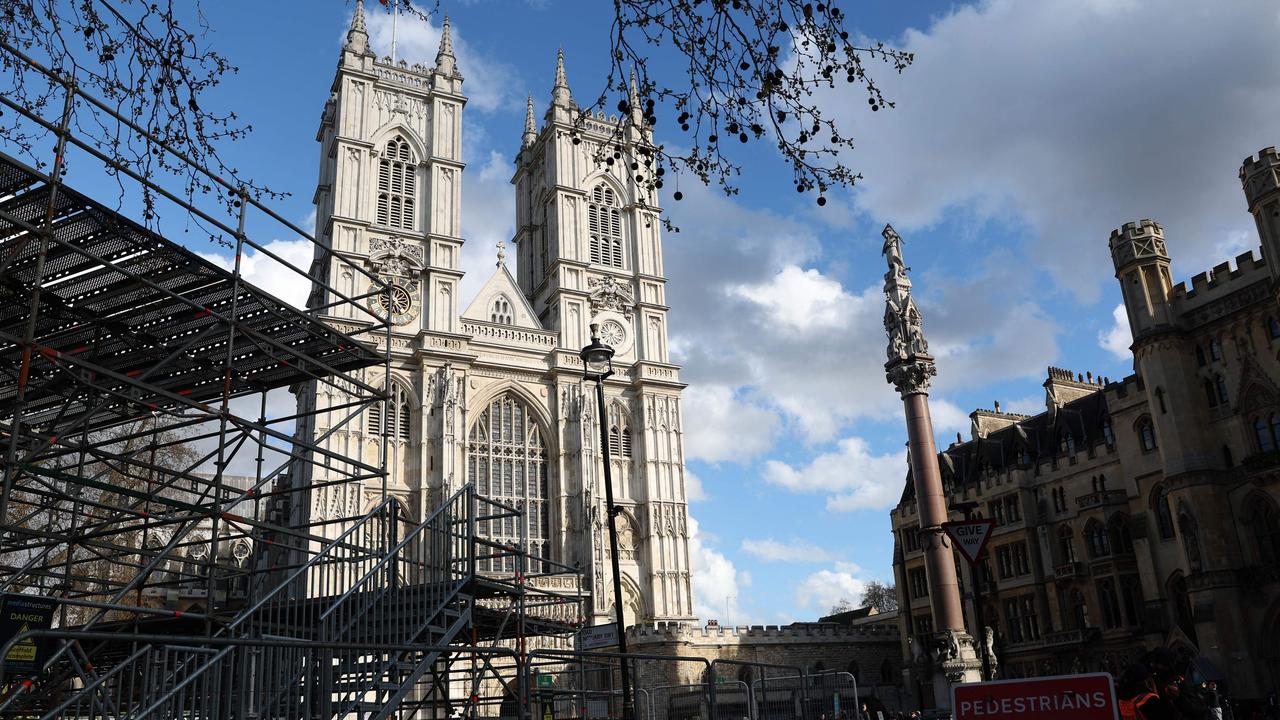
(501, 313)
(398, 415)
(1164, 516)
(604, 223)
(1264, 526)
(397, 185)
(507, 462)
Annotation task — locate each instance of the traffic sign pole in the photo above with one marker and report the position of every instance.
(971, 536)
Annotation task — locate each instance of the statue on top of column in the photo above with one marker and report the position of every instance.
(902, 320)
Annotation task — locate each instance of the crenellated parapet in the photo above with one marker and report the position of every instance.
(1260, 175)
(1137, 241)
(665, 632)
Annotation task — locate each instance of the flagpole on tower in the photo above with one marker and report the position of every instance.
(395, 10)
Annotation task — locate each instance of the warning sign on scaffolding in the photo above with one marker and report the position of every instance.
(20, 614)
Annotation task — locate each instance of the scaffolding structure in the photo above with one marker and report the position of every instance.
(156, 579)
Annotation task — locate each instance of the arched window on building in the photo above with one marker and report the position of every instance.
(397, 185)
(1066, 544)
(1189, 530)
(1210, 394)
(507, 462)
(1147, 434)
(1274, 419)
(1079, 610)
(1264, 529)
(500, 312)
(1164, 515)
(1120, 536)
(619, 432)
(1220, 384)
(1262, 433)
(399, 415)
(604, 226)
(1095, 535)
(1199, 356)
(1273, 328)
(1108, 434)
(1131, 598)
(1215, 349)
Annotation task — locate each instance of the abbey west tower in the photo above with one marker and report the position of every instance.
(494, 394)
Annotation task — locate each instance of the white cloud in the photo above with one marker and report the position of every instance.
(791, 551)
(716, 582)
(693, 489)
(488, 218)
(265, 272)
(720, 425)
(1117, 338)
(852, 476)
(1052, 115)
(799, 299)
(785, 336)
(820, 591)
(486, 82)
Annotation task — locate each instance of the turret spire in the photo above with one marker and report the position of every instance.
(560, 95)
(633, 100)
(357, 36)
(530, 126)
(445, 61)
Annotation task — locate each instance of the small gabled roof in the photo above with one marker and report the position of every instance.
(501, 284)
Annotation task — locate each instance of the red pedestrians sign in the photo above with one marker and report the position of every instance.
(970, 536)
(1062, 697)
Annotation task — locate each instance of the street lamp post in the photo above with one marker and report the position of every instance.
(597, 364)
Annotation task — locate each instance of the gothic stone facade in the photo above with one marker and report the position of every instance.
(492, 393)
(1139, 512)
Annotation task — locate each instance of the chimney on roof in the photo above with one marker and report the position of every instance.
(1063, 386)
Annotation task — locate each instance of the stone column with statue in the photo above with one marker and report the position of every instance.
(949, 653)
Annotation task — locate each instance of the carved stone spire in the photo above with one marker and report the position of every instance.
(357, 36)
(909, 365)
(530, 126)
(446, 63)
(633, 100)
(560, 95)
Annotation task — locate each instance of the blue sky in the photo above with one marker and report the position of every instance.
(1023, 134)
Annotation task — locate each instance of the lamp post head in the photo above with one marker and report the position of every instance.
(597, 358)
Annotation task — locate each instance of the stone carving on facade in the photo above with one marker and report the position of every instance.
(395, 256)
(606, 294)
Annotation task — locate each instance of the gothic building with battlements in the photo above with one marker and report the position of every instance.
(489, 390)
(1137, 512)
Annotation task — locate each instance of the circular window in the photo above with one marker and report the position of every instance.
(613, 334)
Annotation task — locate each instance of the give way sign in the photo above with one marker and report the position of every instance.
(970, 536)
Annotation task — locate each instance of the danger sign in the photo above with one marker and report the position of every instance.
(970, 536)
(20, 614)
(1061, 697)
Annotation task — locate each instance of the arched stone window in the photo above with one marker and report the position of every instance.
(1273, 328)
(1107, 433)
(500, 312)
(1066, 544)
(1220, 384)
(1160, 508)
(1079, 610)
(1119, 535)
(1215, 349)
(1095, 536)
(1274, 419)
(399, 416)
(1264, 528)
(1147, 434)
(507, 462)
(1189, 530)
(1199, 356)
(604, 225)
(1210, 394)
(397, 185)
(1262, 432)
(619, 432)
